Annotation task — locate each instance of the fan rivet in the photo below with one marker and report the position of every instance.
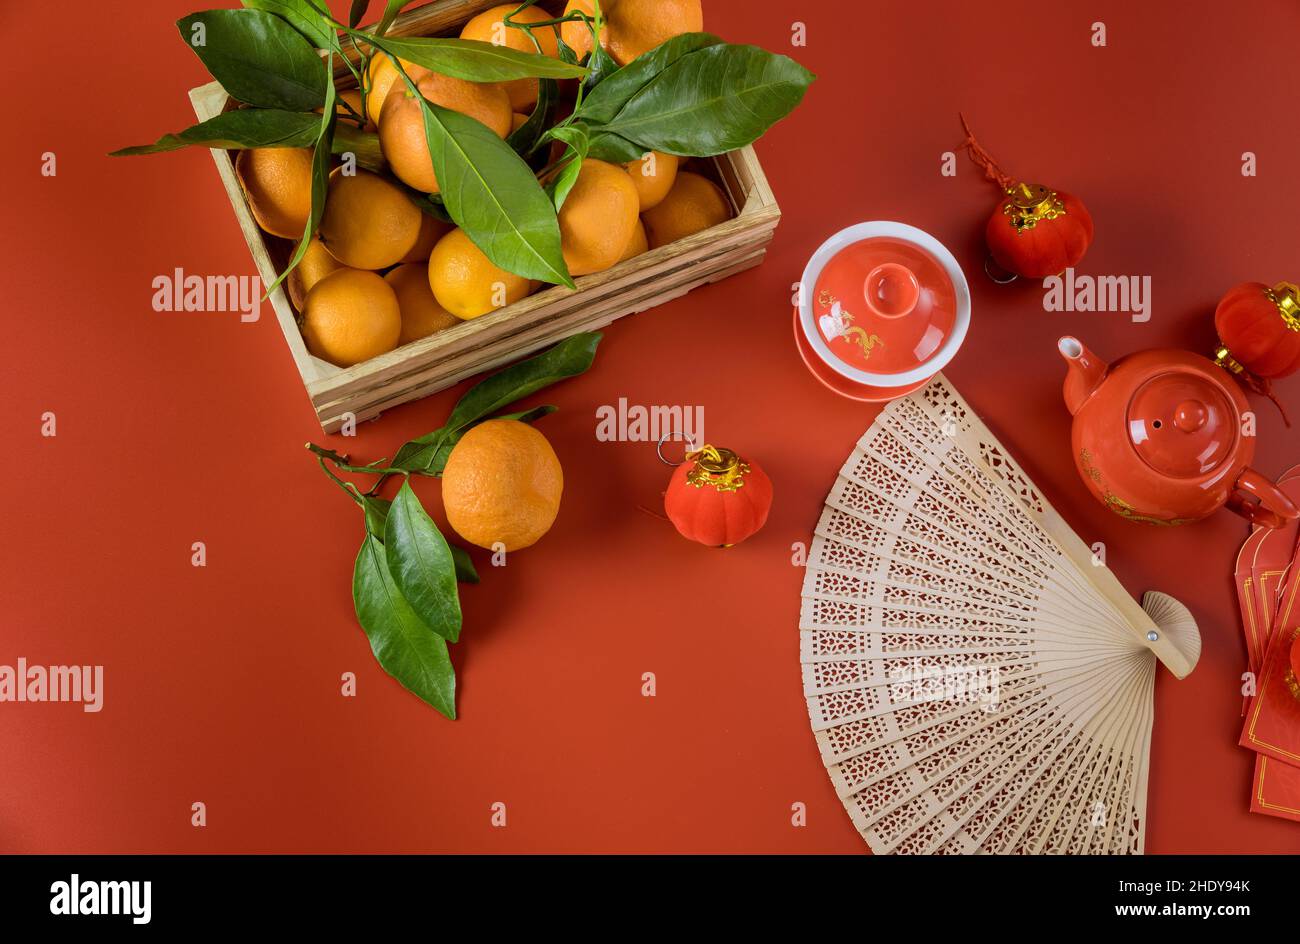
(1153, 636)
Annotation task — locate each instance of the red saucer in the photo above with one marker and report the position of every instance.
(841, 384)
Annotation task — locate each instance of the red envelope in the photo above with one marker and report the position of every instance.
(1273, 718)
(1256, 620)
(1274, 556)
(1277, 789)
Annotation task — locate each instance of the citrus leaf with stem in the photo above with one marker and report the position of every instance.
(605, 100)
(258, 58)
(428, 454)
(242, 128)
(473, 59)
(575, 151)
(492, 194)
(711, 101)
(421, 564)
(404, 646)
(376, 510)
(302, 16)
(569, 358)
(525, 138)
(321, 161)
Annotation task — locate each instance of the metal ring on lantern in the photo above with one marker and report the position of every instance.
(1007, 281)
(659, 448)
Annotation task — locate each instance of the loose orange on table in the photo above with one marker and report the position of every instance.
(501, 486)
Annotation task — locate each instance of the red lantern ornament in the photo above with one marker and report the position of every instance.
(717, 498)
(1034, 231)
(1259, 334)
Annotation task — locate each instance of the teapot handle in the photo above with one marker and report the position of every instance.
(1271, 509)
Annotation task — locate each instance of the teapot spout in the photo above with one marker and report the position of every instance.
(1084, 372)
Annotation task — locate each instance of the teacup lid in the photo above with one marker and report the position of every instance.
(884, 303)
(1182, 424)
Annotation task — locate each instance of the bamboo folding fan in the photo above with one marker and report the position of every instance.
(976, 680)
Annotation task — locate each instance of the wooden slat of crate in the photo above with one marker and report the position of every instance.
(364, 404)
(549, 305)
(424, 367)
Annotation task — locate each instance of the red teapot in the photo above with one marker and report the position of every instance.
(1159, 437)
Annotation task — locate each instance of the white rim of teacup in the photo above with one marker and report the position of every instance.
(919, 237)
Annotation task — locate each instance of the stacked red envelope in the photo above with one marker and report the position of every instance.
(1268, 590)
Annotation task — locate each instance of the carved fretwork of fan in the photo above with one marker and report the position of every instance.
(977, 681)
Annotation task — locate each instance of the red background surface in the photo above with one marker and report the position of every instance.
(222, 683)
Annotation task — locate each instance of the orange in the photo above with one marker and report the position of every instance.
(421, 313)
(517, 121)
(597, 218)
(502, 485)
(401, 123)
(382, 75)
(350, 316)
(653, 176)
(466, 283)
(368, 223)
(637, 244)
(277, 185)
(315, 264)
(694, 203)
(632, 27)
(432, 229)
(490, 27)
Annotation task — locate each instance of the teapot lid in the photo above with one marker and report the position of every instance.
(884, 303)
(1182, 424)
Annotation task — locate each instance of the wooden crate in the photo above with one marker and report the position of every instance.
(423, 367)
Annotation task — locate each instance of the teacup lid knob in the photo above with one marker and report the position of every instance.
(891, 290)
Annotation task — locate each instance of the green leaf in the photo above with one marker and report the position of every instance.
(465, 571)
(493, 196)
(376, 511)
(303, 17)
(406, 648)
(356, 11)
(428, 454)
(474, 59)
(391, 9)
(610, 147)
(612, 94)
(600, 66)
(575, 137)
(712, 101)
(525, 137)
(421, 564)
(258, 58)
(569, 358)
(244, 128)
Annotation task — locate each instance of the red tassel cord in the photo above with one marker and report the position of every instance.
(983, 159)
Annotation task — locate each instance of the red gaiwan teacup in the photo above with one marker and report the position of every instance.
(882, 308)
